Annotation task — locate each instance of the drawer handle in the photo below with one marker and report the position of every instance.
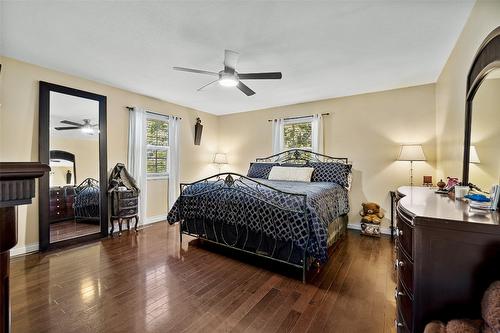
(398, 293)
(398, 324)
(398, 263)
(399, 232)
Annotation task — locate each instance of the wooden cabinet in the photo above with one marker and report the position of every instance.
(61, 201)
(124, 205)
(17, 187)
(446, 256)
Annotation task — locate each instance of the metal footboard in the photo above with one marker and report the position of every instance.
(232, 201)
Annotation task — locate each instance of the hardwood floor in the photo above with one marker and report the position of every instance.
(146, 283)
(70, 229)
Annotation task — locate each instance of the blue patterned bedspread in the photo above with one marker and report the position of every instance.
(325, 202)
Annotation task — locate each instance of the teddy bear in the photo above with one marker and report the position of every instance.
(371, 213)
(490, 310)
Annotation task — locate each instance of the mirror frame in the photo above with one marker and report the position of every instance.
(44, 155)
(487, 59)
(64, 155)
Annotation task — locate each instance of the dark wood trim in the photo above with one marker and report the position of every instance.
(44, 154)
(487, 59)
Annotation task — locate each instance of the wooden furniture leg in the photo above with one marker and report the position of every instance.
(136, 222)
(128, 224)
(112, 227)
(120, 226)
(8, 239)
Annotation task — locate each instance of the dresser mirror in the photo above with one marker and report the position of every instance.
(484, 148)
(73, 142)
(481, 163)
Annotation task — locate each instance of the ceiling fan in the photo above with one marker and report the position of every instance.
(86, 127)
(229, 77)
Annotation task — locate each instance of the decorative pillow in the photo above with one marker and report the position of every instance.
(296, 174)
(260, 170)
(332, 172)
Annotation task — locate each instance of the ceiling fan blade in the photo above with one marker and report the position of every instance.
(67, 128)
(198, 71)
(206, 85)
(70, 123)
(230, 59)
(259, 76)
(243, 87)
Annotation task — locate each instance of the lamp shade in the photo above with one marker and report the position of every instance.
(411, 153)
(220, 158)
(473, 158)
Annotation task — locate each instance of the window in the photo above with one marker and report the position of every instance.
(157, 164)
(298, 133)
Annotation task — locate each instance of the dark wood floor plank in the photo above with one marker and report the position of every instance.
(149, 282)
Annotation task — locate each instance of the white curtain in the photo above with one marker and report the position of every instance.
(174, 124)
(278, 135)
(317, 133)
(137, 155)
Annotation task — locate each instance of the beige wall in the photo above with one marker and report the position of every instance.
(365, 128)
(86, 158)
(450, 87)
(19, 129)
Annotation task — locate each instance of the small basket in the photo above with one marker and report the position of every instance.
(370, 229)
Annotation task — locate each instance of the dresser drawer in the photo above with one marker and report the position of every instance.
(126, 194)
(404, 233)
(400, 324)
(404, 266)
(127, 212)
(404, 304)
(125, 203)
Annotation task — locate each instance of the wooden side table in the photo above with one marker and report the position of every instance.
(124, 206)
(17, 187)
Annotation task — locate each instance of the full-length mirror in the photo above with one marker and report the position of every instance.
(484, 149)
(72, 196)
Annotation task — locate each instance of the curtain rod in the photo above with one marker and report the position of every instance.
(292, 118)
(155, 113)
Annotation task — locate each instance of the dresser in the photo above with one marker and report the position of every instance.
(61, 199)
(446, 257)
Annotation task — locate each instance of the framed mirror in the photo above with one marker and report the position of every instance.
(72, 140)
(481, 163)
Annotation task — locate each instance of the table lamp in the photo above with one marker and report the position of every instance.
(220, 159)
(411, 153)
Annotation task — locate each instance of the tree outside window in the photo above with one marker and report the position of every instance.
(298, 134)
(157, 146)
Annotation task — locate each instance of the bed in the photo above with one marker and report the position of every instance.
(86, 202)
(292, 222)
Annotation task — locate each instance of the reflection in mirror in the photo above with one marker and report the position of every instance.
(74, 151)
(484, 168)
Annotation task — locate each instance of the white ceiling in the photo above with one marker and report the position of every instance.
(72, 108)
(324, 49)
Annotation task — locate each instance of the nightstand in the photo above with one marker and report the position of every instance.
(124, 206)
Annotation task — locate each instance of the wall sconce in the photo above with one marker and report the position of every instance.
(198, 129)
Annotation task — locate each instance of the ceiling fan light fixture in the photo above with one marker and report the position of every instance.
(87, 129)
(228, 81)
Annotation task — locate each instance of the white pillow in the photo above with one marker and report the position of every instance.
(296, 174)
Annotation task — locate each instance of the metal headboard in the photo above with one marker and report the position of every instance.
(301, 156)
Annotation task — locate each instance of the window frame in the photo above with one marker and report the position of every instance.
(159, 175)
(307, 119)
